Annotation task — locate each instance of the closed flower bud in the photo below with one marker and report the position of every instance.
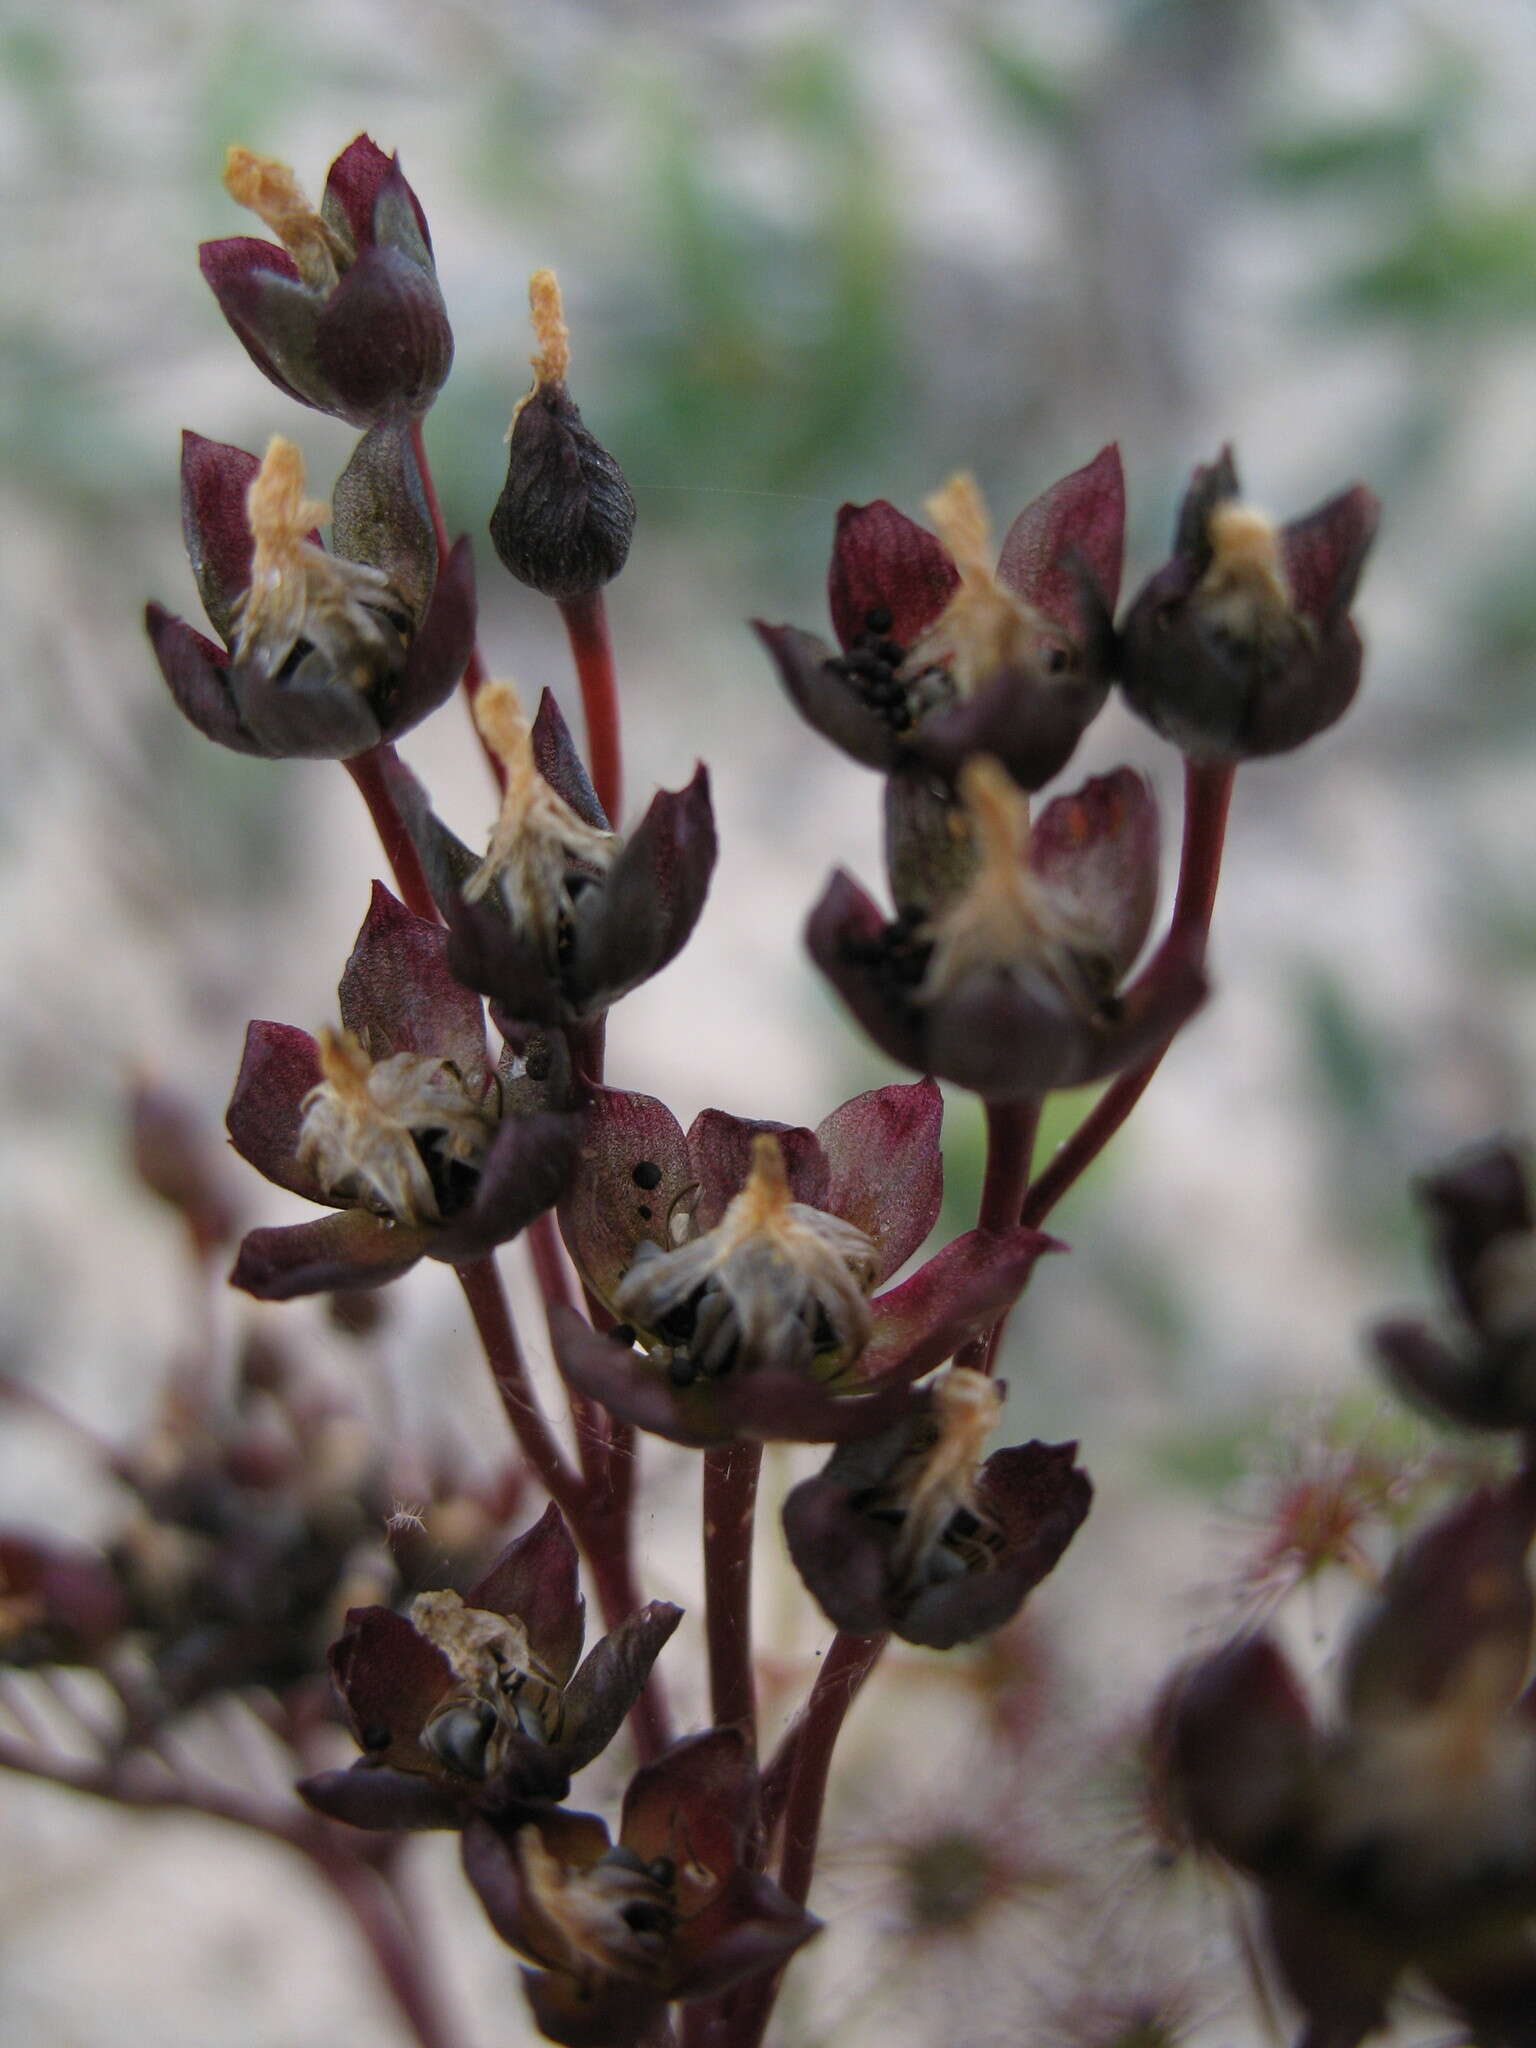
(565, 517)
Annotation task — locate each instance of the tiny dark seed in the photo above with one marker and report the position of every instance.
(376, 1736)
(623, 1333)
(647, 1174)
(646, 1212)
(878, 619)
(892, 651)
(663, 1870)
(962, 1523)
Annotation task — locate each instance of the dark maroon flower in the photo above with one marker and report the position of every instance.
(481, 1702)
(346, 315)
(1011, 985)
(399, 1121)
(1404, 1837)
(672, 1911)
(910, 1531)
(943, 657)
(59, 1602)
(1480, 1215)
(741, 1260)
(176, 1158)
(325, 654)
(562, 916)
(565, 517)
(1242, 643)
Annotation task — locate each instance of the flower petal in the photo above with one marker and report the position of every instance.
(310, 715)
(382, 339)
(607, 2013)
(695, 1804)
(1238, 1747)
(379, 513)
(1478, 1198)
(440, 651)
(612, 1679)
(629, 1386)
(197, 674)
(1098, 849)
(525, 1170)
(271, 313)
(398, 995)
(1077, 525)
(1030, 723)
(749, 1928)
(884, 561)
(1456, 1607)
(642, 916)
(368, 1797)
(826, 699)
(1325, 551)
(633, 1171)
(845, 936)
(214, 480)
(352, 1249)
(558, 760)
(957, 1294)
(1476, 1392)
(886, 1167)
(720, 1147)
(278, 1068)
(390, 1678)
(537, 1578)
(352, 187)
(493, 1867)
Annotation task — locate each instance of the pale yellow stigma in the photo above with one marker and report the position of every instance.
(537, 840)
(1006, 919)
(985, 629)
(271, 191)
(361, 1122)
(966, 1406)
(1243, 592)
(346, 610)
(552, 358)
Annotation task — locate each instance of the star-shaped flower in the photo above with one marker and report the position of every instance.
(943, 655)
(910, 1531)
(1010, 984)
(1242, 643)
(398, 1121)
(671, 1911)
(742, 1260)
(325, 654)
(480, 1703)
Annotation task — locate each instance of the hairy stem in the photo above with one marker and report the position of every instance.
(1207, 799)
(367, 771)
(730, 1503)
(586, 626)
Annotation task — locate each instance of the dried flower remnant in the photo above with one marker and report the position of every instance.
(673, 1911)
(325, 653)
(565, 517)
(562, 916)
(944, 656)
(910, 1531)
(398, 1120)
(344, 313)
(1400, 1839)
(1484, 1236)
(1011, 985)
(743, 1260)
(1242, 643)
(478, 1702)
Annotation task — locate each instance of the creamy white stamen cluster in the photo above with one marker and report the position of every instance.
(1243, 598)
(348, 612)
(362, 1121)
(539, 846)
(943, 1532)
(501, 1689)
(1007, 918)
(774, 1284)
